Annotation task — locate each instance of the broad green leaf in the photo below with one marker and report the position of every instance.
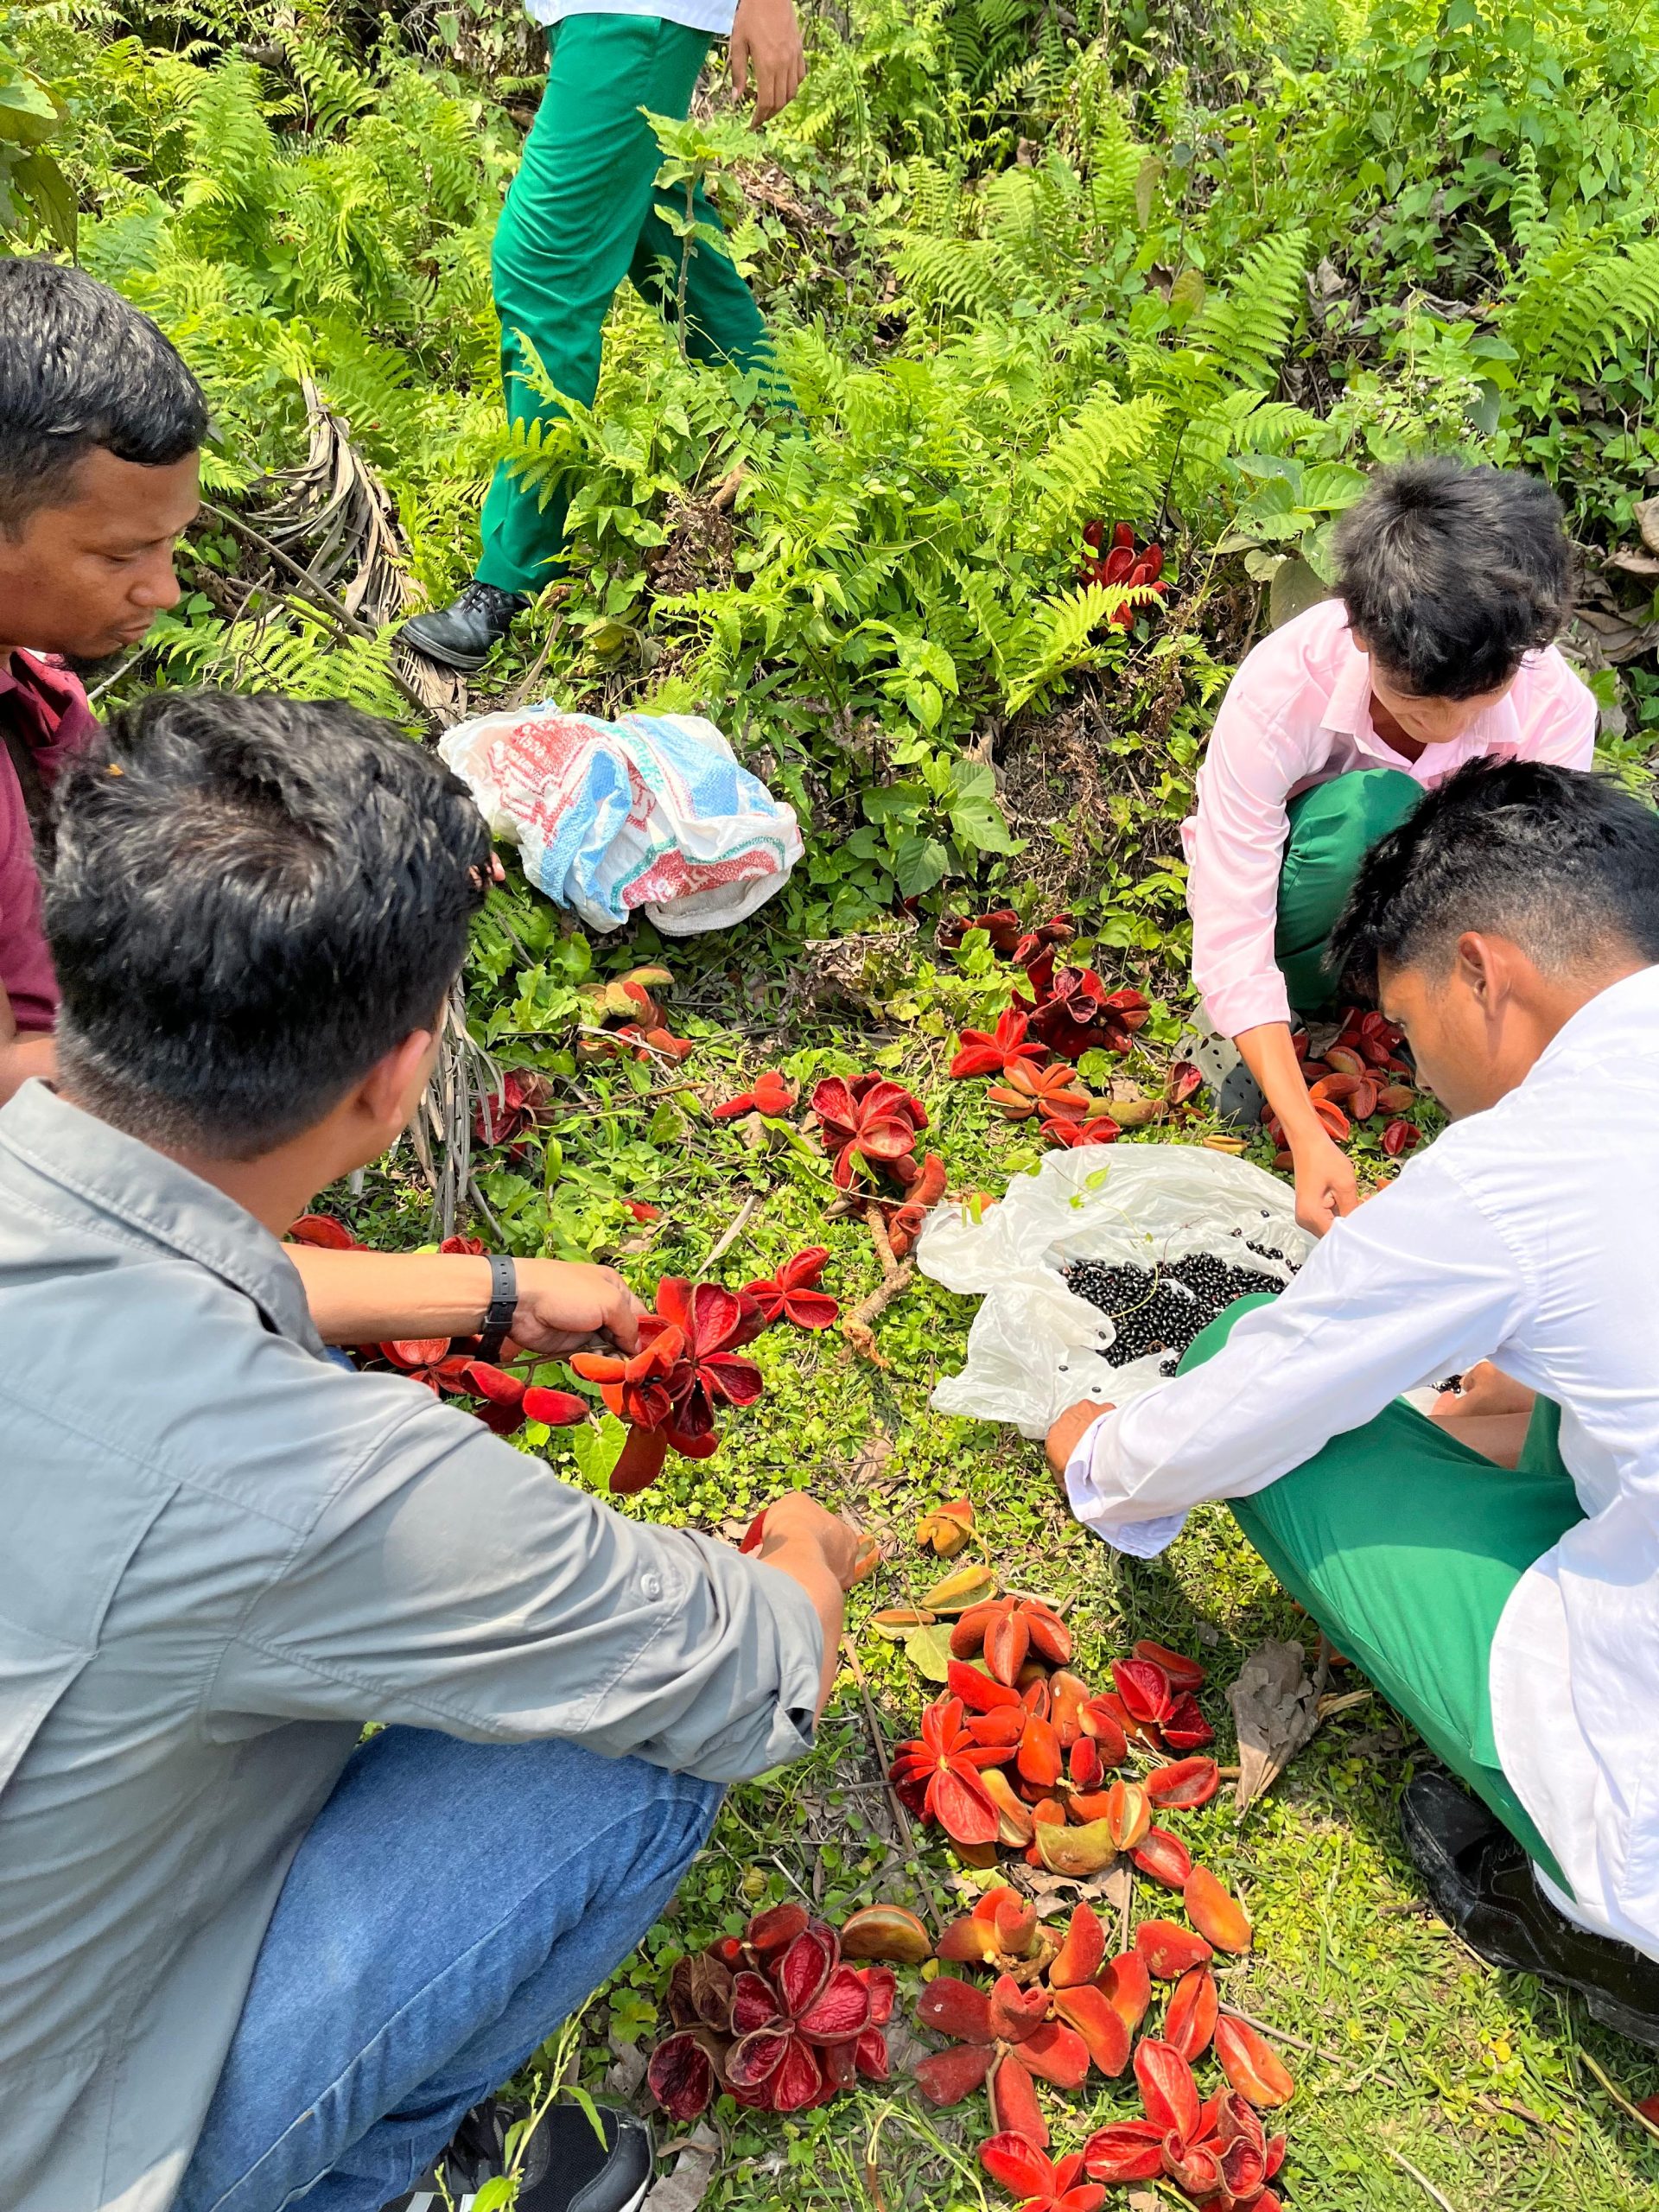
(919, 864)
(981, 824)
(928, 1650)
(1331, 486)
(47, 191)
(596, 1448)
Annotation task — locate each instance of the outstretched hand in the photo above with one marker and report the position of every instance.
(563, 1303)
(766, 36)
(1326, 1186)
(1063, 1437)
(820, 1553)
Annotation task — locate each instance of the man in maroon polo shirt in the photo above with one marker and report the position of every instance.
(101, 425)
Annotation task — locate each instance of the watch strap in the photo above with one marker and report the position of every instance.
(503, 1302)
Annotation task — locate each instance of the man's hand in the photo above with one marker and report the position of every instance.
(796, 1521)
(1062, 1441)
(767, 34)
(1484, 1390)
(1326, 1187)
(820, 1553)
(562, 1303)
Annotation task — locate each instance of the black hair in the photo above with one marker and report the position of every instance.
(79, 367)
(1559, 860)
(249, 902)
(1453, 574)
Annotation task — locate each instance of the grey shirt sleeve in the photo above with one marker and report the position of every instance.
(454, 1583)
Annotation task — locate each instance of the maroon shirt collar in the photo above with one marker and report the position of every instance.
(48, 708)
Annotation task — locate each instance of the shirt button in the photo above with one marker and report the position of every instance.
(652, 1586)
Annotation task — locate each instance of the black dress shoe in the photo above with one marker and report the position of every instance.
(565, 2167)
(466, 632)
(1482, 1884)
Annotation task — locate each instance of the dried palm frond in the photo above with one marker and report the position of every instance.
(336, 509)
(442, 1129)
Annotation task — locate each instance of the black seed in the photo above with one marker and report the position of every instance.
(1163, 1312)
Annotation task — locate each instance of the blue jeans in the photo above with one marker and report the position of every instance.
(451, 1904)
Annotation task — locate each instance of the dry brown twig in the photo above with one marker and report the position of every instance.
(729, 1236)
(442, 1129)
(1619, 2096)
(896, 1275)
(901, 1815)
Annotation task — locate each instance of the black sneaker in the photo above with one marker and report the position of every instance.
(565, 2167)
(1482, 1884)
(466, 632)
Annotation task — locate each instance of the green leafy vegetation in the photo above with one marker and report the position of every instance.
(1028, 265)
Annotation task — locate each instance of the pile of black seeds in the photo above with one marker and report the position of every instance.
(1163, 1311)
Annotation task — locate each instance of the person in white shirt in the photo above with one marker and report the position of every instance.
(1510, 1611)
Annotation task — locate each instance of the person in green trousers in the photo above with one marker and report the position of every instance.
(1491, 1565)
(1435, 649)
(581, 214)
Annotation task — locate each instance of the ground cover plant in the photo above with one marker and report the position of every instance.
(1094, 316)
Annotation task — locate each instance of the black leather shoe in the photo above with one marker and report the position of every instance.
(565, 2167)
(1482, 1884)
(466, 632)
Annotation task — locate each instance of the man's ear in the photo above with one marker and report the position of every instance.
(1486, 967)
(391, 1091)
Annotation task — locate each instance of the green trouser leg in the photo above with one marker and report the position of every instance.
(1404, 1546)
(580, 215)
(1331, 829)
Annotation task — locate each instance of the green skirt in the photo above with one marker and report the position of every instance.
(1331, 829)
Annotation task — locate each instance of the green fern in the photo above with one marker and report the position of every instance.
(1579, 302)
(1246, 328)
(1064, 634)
(1104, 462)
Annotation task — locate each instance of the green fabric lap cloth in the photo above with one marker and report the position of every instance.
(1332, 827)
(582, 214)
(1404, 1546)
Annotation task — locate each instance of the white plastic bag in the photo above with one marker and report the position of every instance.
(1034, 1348)
(651, 812)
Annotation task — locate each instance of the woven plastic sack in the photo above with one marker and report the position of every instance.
(651, 812)
(1034, 1348)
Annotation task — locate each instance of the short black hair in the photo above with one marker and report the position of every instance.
(249, 901)
(1453, 574)
(1559, 860)
(81, 367)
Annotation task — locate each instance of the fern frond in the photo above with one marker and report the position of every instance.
(1063, 634)
(1578, 303)
(1102, 463)
(1246, 328)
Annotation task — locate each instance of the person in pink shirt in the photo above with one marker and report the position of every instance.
(1452, 583)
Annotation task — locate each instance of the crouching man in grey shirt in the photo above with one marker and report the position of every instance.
(244, 1962)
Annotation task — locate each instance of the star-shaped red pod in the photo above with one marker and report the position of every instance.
(1045, 2185)
(792, 1294)
(994, 1053)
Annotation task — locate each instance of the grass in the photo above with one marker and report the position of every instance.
(1425, 2072)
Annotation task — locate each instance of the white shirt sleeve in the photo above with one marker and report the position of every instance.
(1416, 1283)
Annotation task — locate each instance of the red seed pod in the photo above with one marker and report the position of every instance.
(1399, 1138)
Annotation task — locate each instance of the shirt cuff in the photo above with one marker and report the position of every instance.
(1235, 1008)
(1140, 1539)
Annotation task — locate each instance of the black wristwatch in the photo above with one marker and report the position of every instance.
(504, 1303)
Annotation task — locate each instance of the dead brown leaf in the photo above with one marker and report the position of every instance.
(626, 2071)
(1110, 1888)
(693, 2169)
(873, 1457)
(1276, 1709)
